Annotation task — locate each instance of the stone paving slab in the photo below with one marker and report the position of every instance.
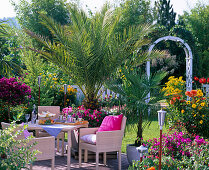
(61, 161)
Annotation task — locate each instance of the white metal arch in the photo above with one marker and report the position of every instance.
(188, 58)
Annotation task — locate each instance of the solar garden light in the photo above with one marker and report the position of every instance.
(161, 120)
(65, 92)
(39, 85)
(142, 150)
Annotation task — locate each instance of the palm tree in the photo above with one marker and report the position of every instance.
(7, 66)
(90, 49)
(134, 90)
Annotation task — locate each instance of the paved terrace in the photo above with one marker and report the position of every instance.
(61, 161)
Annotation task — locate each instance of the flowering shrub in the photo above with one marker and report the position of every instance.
(52, 90)
(192, 114)
(12, 93)
(94, 117)
(180, 151)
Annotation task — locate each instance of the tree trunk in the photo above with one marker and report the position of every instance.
(139, 131)
(9, 112)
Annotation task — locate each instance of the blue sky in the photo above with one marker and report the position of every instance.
(6, 10)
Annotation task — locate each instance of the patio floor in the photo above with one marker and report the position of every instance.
(61, 161)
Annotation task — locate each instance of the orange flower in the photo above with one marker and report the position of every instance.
(188, 93)
(151, 168)
(193, 93)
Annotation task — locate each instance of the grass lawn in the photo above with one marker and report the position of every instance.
(153, 131)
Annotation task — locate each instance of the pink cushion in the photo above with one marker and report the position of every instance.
(89, 138)
(111, 123)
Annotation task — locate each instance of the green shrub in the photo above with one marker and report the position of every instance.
(15, 154)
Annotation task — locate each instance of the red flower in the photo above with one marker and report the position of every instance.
(207, 80)
(193, 93)
(196, 78)
(202, 80)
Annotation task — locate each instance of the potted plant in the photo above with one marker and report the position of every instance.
(134, 88)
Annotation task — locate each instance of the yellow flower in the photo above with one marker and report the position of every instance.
(120, 71)
(54, 74)
(53, 79)
(195, 115)
(199, 108)
(123, 76)
(40, 73)
(201, 121)
(199, 93)
(202, 104)
(197, 101)
(68, 100)
(194, 106)
(50, 86)
(188, 102)
(203, 115)
(55, 82)
(182, 111)
(63, 81)
(50, 75)
(132, 69)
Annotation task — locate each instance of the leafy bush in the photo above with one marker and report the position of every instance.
(15, 154)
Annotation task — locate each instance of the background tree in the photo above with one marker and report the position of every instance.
(134, 13)
(165, 14)
(197, 21)
(27, 13)
(89, 50)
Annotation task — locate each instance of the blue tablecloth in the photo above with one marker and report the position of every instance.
(53, 130)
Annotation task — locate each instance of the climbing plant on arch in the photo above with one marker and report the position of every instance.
(188, 58)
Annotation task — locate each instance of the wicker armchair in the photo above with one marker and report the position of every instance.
(45, 145)
(55, 110)
(106, 141)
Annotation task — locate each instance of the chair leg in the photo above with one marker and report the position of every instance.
(31, 166)
(53, 162)
(58, 145)
(119, 159)
(97, 161)
(104, 158)
(80, 156)
(63, 149)
(85, 155)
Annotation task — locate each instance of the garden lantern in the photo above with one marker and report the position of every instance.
(161, 120)
(65, 92)
(39, 85)
(142, 150)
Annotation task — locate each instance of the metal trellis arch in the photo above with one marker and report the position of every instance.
(189, 58)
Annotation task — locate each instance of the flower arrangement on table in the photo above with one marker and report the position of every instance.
(94, 117)
(46, 118)
(193, 113)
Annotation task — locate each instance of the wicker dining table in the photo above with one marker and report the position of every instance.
(65, 128)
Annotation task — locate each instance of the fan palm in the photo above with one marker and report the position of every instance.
(134, 89)
(90, 49)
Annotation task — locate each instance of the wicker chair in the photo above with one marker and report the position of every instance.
(106, 141)
(45, 145)
(55, 110)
